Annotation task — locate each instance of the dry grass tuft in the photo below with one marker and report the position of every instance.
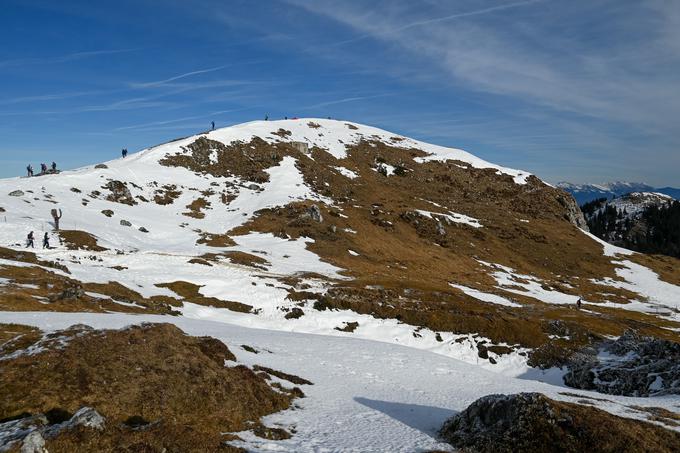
(191, 293)
(80, 240)
(159, 389)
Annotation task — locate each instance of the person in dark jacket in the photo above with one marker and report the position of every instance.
(212, 125)
(46, 241)
(29, 240)
(29, 170)
(124, 152)
(43, 168)
(578, 304)
(54, 166)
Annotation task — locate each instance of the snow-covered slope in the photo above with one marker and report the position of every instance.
(161, 240)
(153, 218)
(432, 273)
(367, 396)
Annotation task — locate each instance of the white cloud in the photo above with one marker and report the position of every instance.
(589, 60)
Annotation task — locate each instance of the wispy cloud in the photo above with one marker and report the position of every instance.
(536, 58)
(128, 104)
(477, 12)
(177, 77)
(62, 58)
(449, 17)
(346, 100)
(48, 97)
(165, 123)
(169, 80)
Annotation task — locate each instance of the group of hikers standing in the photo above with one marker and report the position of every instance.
(30, 241)
(43, 169)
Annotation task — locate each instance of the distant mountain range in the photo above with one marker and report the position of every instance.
(584, 193)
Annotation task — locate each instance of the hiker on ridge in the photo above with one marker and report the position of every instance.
(29, 170)
(29, 240)
(124, 153)
(43, 168)
(212, 123)
(578, 304)
(54, 166)
(46, 241)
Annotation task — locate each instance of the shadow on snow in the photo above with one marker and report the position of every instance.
(427, 419)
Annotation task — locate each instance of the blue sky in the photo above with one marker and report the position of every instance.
(584, 91)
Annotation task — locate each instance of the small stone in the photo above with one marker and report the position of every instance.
(314, 213)
(89, 418)
(16, 193)
(125, 223)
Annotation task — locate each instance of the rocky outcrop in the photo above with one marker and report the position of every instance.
(572, 212)
(533, 422)
(632, 365)
(119, 193)
(30, 432)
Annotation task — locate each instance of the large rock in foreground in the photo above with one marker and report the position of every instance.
(533, 422)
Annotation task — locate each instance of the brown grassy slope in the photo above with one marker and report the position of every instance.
(14, 337)
(179, 384)
(191, 293)
(39, 289)
(239, 159)
(400, 249)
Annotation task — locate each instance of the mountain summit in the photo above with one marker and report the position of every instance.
(330, 227)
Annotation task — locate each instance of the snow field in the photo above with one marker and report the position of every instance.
(367, 396)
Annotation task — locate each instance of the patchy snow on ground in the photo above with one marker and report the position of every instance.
(485, 297)
(463, 347)
(607, 248)
(656, 296)
(386, 386)
(140, 260)
(346, 172)
(367, 396)
(451, 217)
